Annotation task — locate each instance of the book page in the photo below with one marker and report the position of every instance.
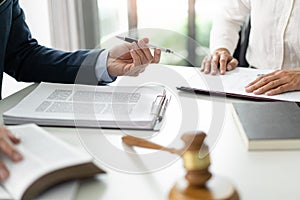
(42, 153)
(4, 195)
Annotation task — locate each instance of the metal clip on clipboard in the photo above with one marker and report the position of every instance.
(159, 105)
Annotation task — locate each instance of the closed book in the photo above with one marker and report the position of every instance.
(47, 161)
(268, 126)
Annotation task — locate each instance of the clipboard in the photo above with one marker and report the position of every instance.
(133, 107)
(228, 94)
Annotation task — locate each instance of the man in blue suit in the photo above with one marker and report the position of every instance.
(24, 59)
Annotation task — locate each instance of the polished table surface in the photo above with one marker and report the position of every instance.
(256, 175)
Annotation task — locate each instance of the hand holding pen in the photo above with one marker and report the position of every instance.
(131, 59)
(131, 40)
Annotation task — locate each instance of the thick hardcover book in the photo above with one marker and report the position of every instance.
(46, 162)
(269, 126)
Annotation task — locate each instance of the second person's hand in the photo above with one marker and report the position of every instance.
(222, 59)
(276, 82)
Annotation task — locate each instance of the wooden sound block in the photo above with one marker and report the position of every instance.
(216, 188)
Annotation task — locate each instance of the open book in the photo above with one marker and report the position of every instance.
(46, 161)
(232, 84)
(91, 106)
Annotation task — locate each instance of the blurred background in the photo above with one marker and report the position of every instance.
(181, 25)
(184, 19)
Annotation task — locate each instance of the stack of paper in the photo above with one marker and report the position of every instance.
(91, 106)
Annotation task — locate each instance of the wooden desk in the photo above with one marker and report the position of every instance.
(256, 175)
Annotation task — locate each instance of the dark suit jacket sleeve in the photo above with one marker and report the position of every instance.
(26, 60)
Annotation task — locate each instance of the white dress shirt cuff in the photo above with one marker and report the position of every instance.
(101, 68)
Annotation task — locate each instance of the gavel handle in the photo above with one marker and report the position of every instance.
(135, 141)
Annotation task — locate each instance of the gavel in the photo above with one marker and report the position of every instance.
(197, 169)
(196, 160)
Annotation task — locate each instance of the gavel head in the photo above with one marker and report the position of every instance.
(195, 162)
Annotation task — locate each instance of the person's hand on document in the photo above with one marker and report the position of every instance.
(131, 59)
(7, 139)
(275, 83)
(220, 58)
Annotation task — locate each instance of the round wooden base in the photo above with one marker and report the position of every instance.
(216, 188)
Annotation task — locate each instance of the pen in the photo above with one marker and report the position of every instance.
(127, 39)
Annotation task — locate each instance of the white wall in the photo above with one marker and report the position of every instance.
(37, 18)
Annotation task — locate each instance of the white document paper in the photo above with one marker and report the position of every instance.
(88, 106)
(4, 195)
(234, 82)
